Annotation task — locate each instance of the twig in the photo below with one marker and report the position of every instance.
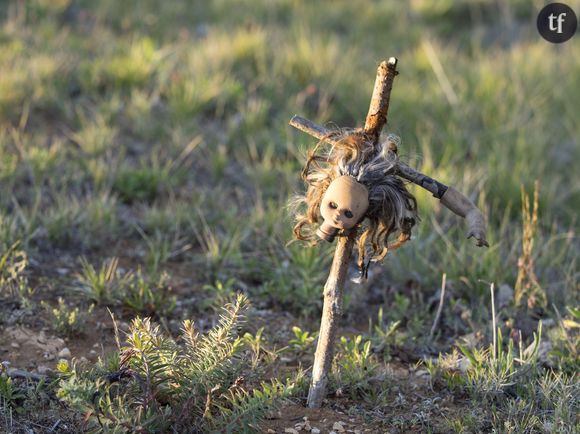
(19, 373)
(491, 287)
(440, 73)
(55, 426)
(571, 346)
(440, 308)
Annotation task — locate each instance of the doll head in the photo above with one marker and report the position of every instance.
(343, 205)
(354, 184)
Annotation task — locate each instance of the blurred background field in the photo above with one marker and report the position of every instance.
(146, 164)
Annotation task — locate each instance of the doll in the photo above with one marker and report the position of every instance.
(354, 184)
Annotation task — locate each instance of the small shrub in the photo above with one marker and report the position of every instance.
(163, 386)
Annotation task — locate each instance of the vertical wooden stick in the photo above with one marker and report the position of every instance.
(331, 313)
(379, 106)
(332, 308)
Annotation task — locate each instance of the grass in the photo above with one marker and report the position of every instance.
(157, 134)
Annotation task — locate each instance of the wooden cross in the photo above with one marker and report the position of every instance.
(333, 289)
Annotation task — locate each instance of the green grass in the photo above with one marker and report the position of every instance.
(157, 132)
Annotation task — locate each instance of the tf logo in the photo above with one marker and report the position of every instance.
(557, 23)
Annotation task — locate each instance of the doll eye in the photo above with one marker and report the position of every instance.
(333, 205)
(348, 214)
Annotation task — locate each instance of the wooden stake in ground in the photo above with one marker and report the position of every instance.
(389, 166)
(332, 308)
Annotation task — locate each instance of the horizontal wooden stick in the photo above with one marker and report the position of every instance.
(435, 187)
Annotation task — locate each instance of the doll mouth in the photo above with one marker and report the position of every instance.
(327, 232)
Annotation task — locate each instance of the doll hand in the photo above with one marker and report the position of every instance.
(476, 225)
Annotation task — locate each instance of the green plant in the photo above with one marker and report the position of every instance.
(219, 292)
(105, 285)
(494, 370)
(162, 385)
(220, 249)
(302, 340)
(566, 339)
(13, 281)
(162, 247)
(295, 278)
(354, 365)
(11, 395)
(66, 320)
(139, 185)
(260, 353)
(382, 335)
(13, 262)
(143, 294)
(146, 296)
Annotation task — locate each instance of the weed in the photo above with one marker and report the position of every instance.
(566, 340)
(161, 248)
(105, 285)
(138, 185)
(10, 395)
(142, 294)
(354, 365)
(13, 281)
(102, 105)
(219, 250)
(383, 337)
(295, 280)
(66, 320)
(219, 292)
(302, 340)
(493, 371)
(260, 352)
(527, 288)
(13, 262)
(146, 296)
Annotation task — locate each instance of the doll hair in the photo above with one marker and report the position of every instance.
(392, 209)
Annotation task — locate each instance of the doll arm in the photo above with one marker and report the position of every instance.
(451, 199)
(463, 207)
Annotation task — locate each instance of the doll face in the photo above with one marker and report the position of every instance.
(344, 203)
